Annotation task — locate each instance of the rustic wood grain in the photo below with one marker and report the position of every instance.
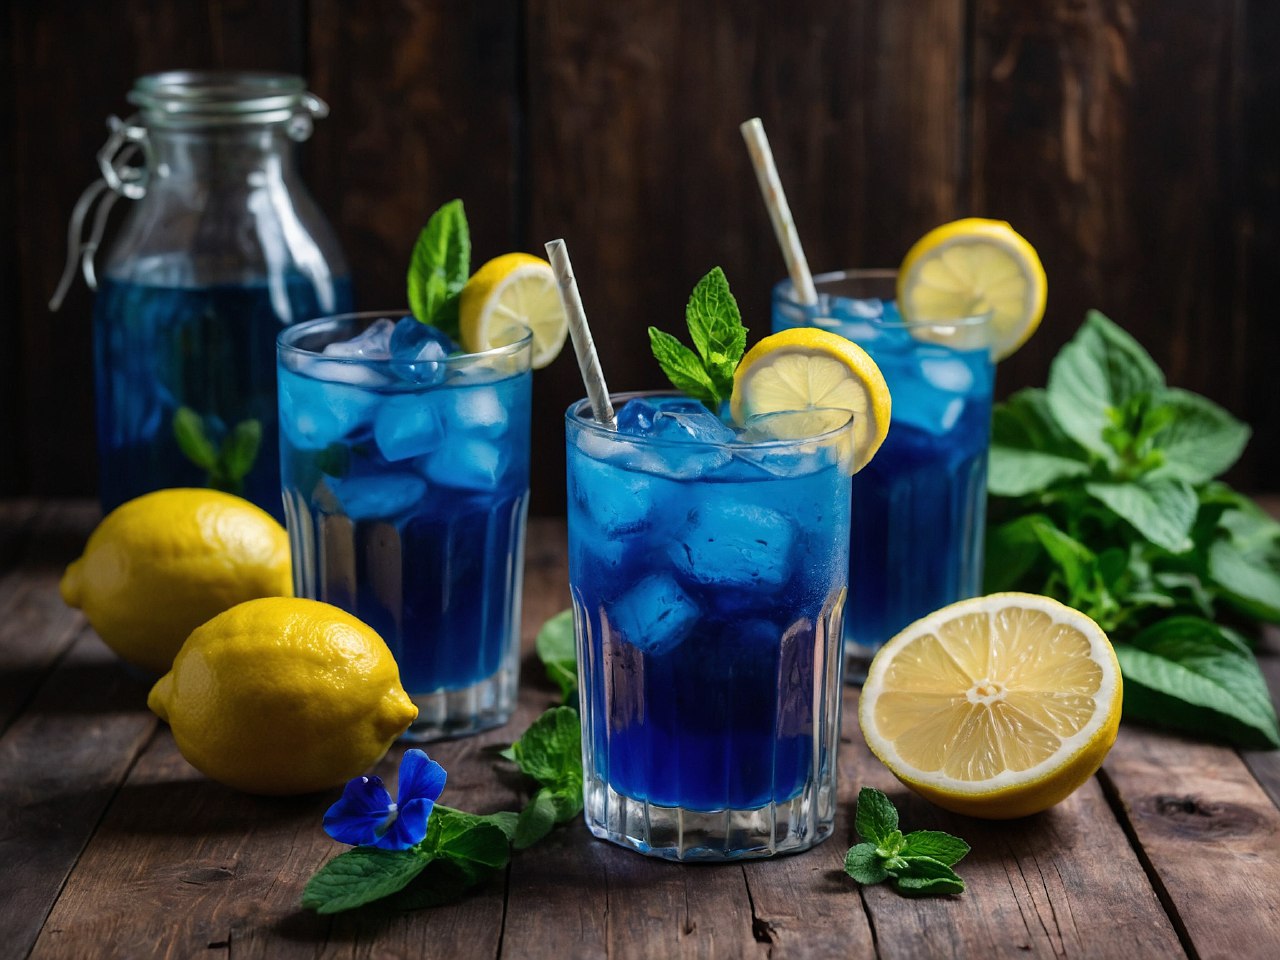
(1209, 834)
(1039, 886)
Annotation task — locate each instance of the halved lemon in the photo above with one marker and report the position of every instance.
(996, 707)
(971, 267)
(509, 292)
(810, 369)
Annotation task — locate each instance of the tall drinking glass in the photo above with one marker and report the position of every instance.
(406, 485)
(708, 576)
(919, 507)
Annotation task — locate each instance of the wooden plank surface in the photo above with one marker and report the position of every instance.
(118, 841)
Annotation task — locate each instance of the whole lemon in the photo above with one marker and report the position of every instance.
(283, 696)
(162, 564)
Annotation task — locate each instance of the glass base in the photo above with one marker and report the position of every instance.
(456, 713)
(674, 833)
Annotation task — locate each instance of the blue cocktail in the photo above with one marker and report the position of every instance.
(708, 570)
(919, 507)
(405, 470)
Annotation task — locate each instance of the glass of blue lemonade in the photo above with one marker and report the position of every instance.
(919, 507)
(708, 567)
(405, 471)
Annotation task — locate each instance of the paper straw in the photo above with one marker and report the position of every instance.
(580, 334)
(776, 202)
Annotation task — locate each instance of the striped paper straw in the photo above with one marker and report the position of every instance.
(583, 345)
(776, 202)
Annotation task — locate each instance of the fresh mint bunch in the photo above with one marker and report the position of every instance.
(1105, 498)
(919, 862)
(715, 327)
(440, 267)
(228, 463)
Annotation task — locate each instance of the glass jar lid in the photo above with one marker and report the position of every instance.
(201, 98)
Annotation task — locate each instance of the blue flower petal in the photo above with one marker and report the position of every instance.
(356, 817)
(420, 778)
(410, 826)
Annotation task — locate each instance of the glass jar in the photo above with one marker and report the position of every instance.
(223, 248)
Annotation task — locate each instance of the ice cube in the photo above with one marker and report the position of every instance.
(477, 409)
(676, 421)
(408, 425)
(314, 414)
(379, 496)
(373, 344)
(655, 615)
(950, 375)
(471, 464)
(417, 349)
(734, 545)
(617, 501)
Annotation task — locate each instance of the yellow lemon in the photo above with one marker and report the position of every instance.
(283, 696)
(997, 707)
(511, 292)
(971, 267)
(810, 369)
(162, 564)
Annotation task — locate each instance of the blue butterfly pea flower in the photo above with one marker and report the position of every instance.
(367, 817)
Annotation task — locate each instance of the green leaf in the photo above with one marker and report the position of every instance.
(936, 845)
(239, 453)
(1012, 550)
(1015, 473)
(1201, 441)
(441, 882)
(558, 652)
(440, 264)
(1163, 511)
(1099, 371)
(715, 326)
(683, 368)
(876, 817)
(536, 820)
(550, 751)
(1248, 578)
(925, 876)
(361, 876)
(334, 460)
(188, 430)
(1192, 674)
(1029, 451)
(864, 864)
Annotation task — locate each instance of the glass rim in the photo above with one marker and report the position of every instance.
(293, 331)
(579, 414)
(194, 97)
(784, 290)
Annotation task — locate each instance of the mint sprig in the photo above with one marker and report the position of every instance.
(558, 652)
(227, 464)
(439, 268)
(1105, 498)
(918, 862)
(551, 753)
(715, 327)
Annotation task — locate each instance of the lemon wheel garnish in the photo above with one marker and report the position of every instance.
(810, 369)
(970, 267)
(509, 292)
(996, 707)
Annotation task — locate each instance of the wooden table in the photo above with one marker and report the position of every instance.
(112, 846)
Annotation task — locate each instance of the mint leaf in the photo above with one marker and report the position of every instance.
(1102, 369)
(439, 267)
(715, 326)
(1192, 674)
(683, 368)
(558, 652)
(924, 876)
(361, 876)
(876, 817)
(550, 751)
(1012, 472)
(1247, 577)
(536, 820)
(1201, 440)
(1029, 451)
(440, 883)
(238, 454)
(864, 864)
(936, 845)
(1012, 550)
(188, 431)
(477, 849)
(1163, 511)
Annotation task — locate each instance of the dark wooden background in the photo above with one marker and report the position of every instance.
(1134, 142)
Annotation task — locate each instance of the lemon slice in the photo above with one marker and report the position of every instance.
(509, 292)
(810, 369)
(994, 707)
(969, 267)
